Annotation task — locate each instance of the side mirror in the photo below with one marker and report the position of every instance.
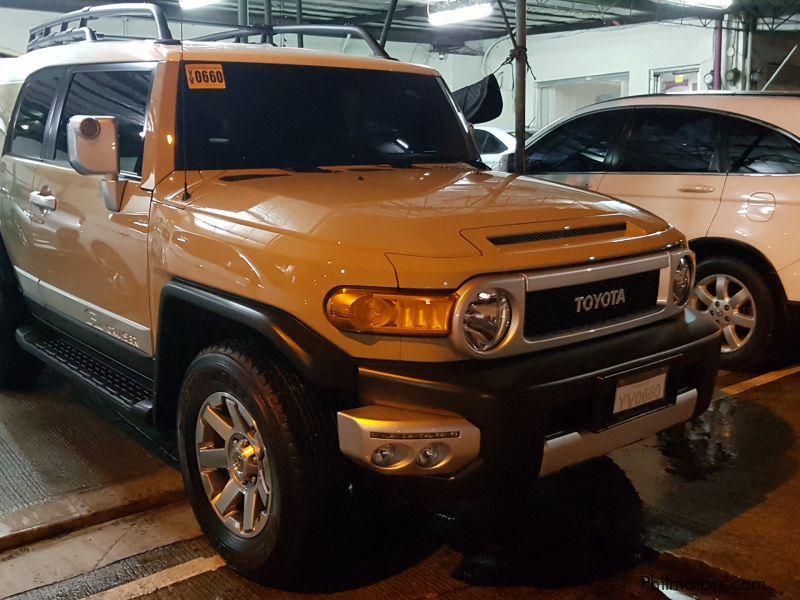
(93, 144)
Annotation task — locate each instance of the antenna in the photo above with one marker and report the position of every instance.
(181, 140)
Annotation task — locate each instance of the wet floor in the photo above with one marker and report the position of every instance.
(707, 510)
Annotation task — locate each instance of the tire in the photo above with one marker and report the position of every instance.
(18, 369)
(745, 347)
(299, 461)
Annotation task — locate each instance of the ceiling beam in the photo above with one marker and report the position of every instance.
(380, 17)
(411, 23)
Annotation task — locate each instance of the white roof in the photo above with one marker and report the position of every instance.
(781, 110)
(18, 69)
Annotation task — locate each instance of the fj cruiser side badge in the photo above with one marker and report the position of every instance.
(205, 77)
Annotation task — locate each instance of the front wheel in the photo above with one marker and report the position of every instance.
(737, 297)
(259, 460)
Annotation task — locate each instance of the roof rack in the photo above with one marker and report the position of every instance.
(266, 32)
(240, 34)
(61, 31)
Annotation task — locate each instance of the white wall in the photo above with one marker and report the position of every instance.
(635, 49)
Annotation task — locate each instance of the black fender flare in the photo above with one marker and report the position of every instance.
(318, 360)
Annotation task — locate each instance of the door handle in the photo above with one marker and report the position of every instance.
(696, 189)
(44, 199)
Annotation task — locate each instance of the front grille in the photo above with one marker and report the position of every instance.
(559, 311)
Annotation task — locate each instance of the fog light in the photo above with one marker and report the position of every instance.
(433, 455)
(387, 455)
(682, 281)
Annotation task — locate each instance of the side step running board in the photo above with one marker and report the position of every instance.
(78, 362)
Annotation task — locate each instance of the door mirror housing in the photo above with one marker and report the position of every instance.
(93, 144)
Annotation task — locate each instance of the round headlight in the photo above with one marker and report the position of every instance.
(487, 320)
(682, 281)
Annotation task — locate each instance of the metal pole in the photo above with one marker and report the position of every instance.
(778, 72)
(244, 10)
(748, 70)
(299, 22)
(718, 55)
(520, 68)
(387, 24)
(268, 18)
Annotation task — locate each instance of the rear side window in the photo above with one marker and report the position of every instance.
(671, 141)
(580, 146)
(35, 106)
(123, 94)
(488, 143)
(754, 148)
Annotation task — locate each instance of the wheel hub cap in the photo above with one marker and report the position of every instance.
(728, 301)
(233, 465)
(243, 460)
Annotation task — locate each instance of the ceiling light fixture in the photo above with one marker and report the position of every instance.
(190, 4)
(714, 4)
(448, 12)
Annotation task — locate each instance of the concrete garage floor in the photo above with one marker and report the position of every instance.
(91, 507)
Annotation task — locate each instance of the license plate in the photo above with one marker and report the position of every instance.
(634, 392)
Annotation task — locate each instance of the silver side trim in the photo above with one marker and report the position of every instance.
(129, 332)
(363, 430)
(29, 285)
(578, 447)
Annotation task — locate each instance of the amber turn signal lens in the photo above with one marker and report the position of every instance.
(371, 311)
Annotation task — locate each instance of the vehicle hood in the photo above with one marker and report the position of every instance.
(437, 211)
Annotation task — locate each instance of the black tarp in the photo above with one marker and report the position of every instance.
(480, 102)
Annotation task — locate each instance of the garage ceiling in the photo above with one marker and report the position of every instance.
(410, 21)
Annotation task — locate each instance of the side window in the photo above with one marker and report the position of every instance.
(480, 138)
(36, 103)
(121, 94)
(671, 141)
(580, 146)
(754, 148)
(493, 145)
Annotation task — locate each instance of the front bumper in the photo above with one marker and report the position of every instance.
(529, 415)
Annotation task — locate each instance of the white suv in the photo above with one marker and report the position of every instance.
(722, 168)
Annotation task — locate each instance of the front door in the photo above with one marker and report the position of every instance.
(91, 264)
(670, 165)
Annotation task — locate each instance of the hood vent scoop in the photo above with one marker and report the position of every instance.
(559, 234)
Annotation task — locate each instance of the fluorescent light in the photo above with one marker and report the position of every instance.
(718, 4)
(190, 4)
(447, 12)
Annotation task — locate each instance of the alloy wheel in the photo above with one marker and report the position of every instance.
(730, 304)
(233, 465)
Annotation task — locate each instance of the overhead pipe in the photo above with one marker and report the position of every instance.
(268, 19)
(387, 24)
(299, 16)
(243, 13)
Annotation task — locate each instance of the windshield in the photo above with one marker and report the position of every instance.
(301, 118)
